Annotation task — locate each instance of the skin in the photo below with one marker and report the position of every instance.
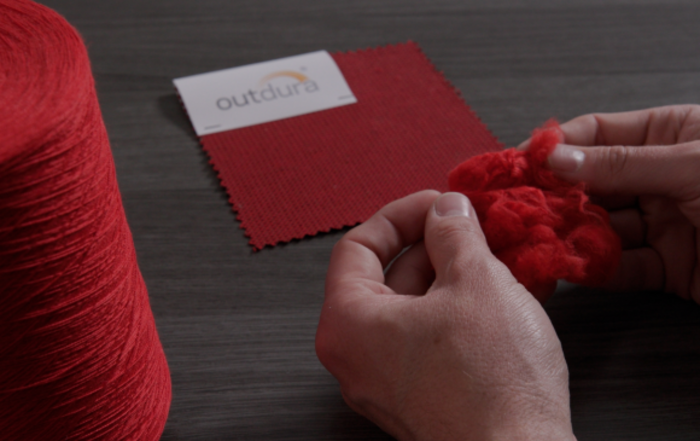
(645, 167)
(442, 343)
(466, 354)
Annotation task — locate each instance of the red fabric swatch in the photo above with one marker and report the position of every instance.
(541, 227)
(299, 176)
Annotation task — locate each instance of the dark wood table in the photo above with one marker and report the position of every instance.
(238, 327)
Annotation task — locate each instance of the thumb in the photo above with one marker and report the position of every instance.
(455, 242)
(660, 170)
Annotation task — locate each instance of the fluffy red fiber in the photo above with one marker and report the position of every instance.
(541, 227)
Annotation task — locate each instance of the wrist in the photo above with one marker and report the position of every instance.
(518, 419)
(534, 431)
(533, 419)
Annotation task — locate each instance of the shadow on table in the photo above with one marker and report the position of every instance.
(171, 107)
(633, 363)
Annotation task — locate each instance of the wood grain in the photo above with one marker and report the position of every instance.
(238, 327)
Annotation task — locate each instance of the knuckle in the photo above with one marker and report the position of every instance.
(481, 274)
(343, 242)
(693, 111)
(325, 348)
(336, 328)
(354, 396)
(467, 269)
(455, 230)
(338, 247)
(691, 125)
(476, 271)
(614, 161)
(695, 293)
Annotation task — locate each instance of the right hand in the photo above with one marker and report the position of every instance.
(445, 344)
(645, 166)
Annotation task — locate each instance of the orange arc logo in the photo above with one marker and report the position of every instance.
(284, 73)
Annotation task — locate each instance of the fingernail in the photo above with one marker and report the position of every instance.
(566, 158)
(453, 204)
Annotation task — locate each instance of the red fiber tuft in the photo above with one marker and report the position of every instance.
(541, 227)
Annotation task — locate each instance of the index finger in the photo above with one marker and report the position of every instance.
(363, 253)
(655, 126)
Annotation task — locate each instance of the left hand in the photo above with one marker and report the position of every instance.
(644, 167)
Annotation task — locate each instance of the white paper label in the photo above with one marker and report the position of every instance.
(262, 92)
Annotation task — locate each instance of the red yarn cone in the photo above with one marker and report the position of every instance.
(80, 358)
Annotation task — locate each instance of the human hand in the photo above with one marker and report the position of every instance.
(645, 166)
(463, 352)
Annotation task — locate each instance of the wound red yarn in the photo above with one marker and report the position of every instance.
(541, 227)
(80, 358)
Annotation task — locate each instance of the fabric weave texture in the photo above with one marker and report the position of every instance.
(326, 170)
